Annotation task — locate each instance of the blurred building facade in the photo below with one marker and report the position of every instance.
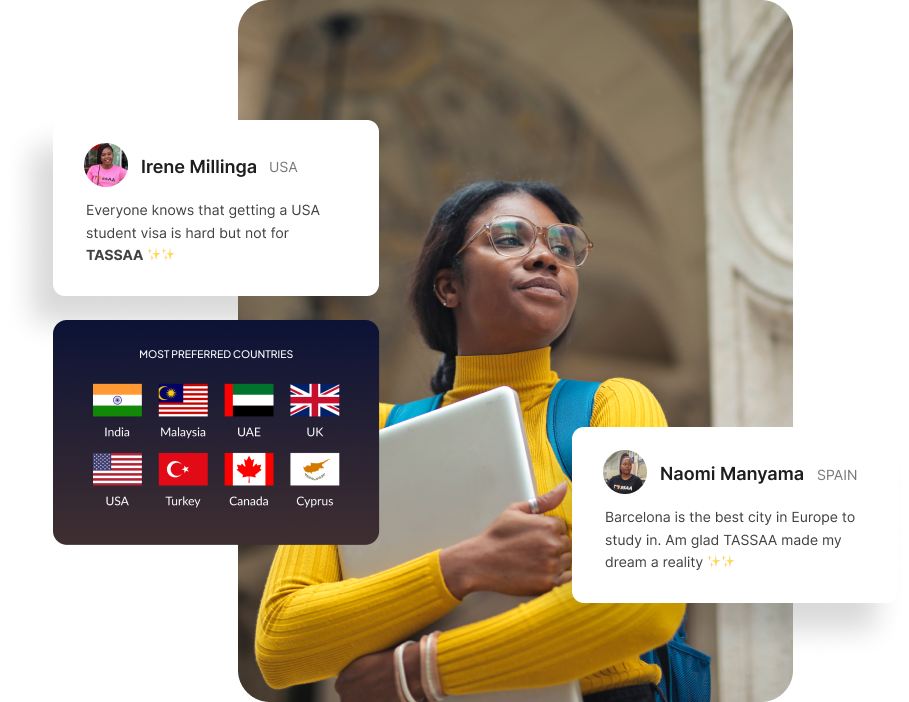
(600, 98)
(667, 122)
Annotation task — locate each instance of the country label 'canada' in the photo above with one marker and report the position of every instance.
(249, 469)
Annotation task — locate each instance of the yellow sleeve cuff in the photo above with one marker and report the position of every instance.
(626, 403)
(309, 629)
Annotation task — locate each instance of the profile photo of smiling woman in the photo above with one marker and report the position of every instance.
(105, 173)
(625, 482)
(494, 291)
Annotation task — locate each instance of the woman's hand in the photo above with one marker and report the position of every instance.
(520, 553)
(372, 678)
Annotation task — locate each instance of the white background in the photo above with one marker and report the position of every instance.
(860, 569)
(333, 253)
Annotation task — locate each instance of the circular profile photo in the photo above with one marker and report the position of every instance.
(105, 165)
(625, 472)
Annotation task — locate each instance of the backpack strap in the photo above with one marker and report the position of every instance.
(663, 660)
(570, 407)
(401, 413)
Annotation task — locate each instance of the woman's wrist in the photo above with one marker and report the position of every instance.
(455, 563)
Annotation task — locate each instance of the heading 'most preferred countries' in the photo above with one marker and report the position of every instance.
(116, 400)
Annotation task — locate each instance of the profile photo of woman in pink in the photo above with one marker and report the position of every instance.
(105, 165)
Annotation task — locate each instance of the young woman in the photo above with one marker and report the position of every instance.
(105, 173)
(625, 482)
(494, 291)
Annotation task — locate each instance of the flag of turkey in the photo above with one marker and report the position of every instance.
(182, 469)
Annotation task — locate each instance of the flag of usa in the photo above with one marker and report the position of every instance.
(315, 400)
(117, 469)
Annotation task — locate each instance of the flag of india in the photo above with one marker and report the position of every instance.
(116, 400)
(249, 400)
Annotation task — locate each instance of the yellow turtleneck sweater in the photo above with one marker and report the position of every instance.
(312, 624)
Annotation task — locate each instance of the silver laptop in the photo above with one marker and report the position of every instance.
(443, 477)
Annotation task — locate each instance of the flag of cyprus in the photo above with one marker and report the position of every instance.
(313, 469)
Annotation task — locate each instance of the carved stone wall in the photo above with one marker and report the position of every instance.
(747, 105)
(746, 80)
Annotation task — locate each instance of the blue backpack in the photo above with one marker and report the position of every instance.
(686, 671)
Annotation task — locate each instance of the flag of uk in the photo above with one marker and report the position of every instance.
(315, 400)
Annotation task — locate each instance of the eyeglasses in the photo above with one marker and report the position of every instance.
(515, 237)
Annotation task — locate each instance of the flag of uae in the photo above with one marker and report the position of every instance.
(249, 400)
